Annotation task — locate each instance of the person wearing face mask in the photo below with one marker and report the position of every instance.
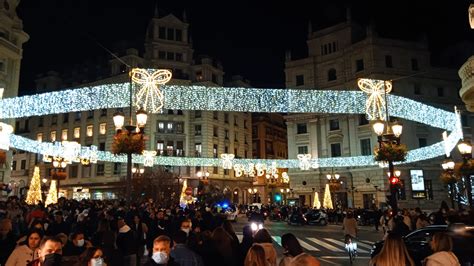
(49, 253)
(76, 245)
(92, 256)
(161, 252)
(26, 252)
(187, 227)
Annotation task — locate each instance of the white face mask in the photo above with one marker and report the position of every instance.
(160, 257)
(186, 230)
(97, 262)
(80, 243)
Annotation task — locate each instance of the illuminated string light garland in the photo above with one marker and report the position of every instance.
(232, 99)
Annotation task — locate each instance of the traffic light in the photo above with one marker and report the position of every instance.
(394, 180)
(277, 197)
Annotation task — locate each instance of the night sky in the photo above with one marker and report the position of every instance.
(249, 38)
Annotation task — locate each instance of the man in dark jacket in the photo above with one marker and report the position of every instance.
(125, 243)
(58, 226)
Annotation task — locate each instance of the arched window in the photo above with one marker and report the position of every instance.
(332, 74)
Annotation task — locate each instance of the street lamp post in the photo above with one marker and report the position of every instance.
(465, 148)
(131, 130)
(448, 166)
(58, 163)
(254, 192)
(388, 135)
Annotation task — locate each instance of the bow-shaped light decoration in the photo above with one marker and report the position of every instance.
(71, 151)
(148, 158)
(227, 160)
(5, 131)
(149, 95)
(272, 171)
(239, 170)
(304, 159)
(286, 178)
(260, 168)
(251, 170)
(375, 104)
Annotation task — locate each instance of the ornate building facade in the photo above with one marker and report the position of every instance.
(337, 57)
(170, 133)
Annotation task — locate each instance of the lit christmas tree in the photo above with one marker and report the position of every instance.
(52, 197)
(316, 202)
(34, 192)
(327, 202)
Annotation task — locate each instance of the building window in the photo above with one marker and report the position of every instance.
(64, 134)
(40, 121)
(90, 114)
(179, 128)
(333, 124)
(73, 171)
(170, 56)
(162, 33)
(198, 149)
(103, 112)
(226, 171)
(215, 132)
(302, 149)
(90, 130)
(39, 137)
(102, 128)
(214, 151)
(226, 134)
(54, 119)
(65, 118)
(169, 127)
(332, 74)
(159, 147)
(162, 55)
(299, 80)
(179, 35)
(440, 92)
(335, 149)
(197, 130)
(78, 116)
(301, 128)
(365, 147)
(417, 89)
(255, 131)
(363, 120)
(52, 136)
(161, 127)
(23, 165)
(170, 34)
(102, 146)
(422, 142)
(388, 61)
(77, 132)
(414, 64)
(197, 114)
(226, 149)
(117, 168)
(170, 148)
(269, 147)
(226, 118)
(100, 169)
(215, 115)
(359, 65)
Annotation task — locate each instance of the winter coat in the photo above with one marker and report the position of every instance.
(442, 258)
(21, 256)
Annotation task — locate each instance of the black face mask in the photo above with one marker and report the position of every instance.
(52, 260)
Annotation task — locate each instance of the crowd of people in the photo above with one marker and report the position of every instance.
(115, 233)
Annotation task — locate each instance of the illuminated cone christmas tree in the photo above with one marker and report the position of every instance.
(327, 202)
(52, 197)
(316, 202)
(34, 192)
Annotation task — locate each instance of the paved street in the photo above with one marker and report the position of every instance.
(324, 242)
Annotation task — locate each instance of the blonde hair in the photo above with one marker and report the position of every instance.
(394, 252)
(255, 256)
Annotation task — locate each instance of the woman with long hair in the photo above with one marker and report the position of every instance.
(394, 252)
(294, 254)
(27, 251)
(222, 242)
(264, 239)
(92, 256)
(442, 244)
(255, 256)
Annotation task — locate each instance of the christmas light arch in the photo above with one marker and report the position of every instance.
(237, 100)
